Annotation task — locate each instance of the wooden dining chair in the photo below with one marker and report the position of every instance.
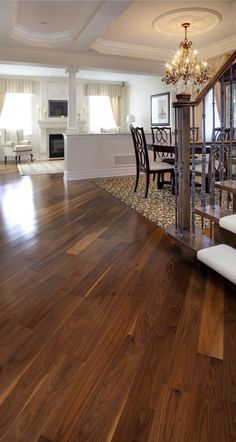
(222, 134)
(145, 164)
(213, 158)
(196, 133)
(162, 135)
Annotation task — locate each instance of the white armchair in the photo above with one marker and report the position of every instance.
(15, 145)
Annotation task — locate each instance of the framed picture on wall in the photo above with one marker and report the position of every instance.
(160, 109)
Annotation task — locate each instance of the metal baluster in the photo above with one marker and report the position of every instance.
(180, 170)
(213, 149)
(229, 169)
(176, 173)
(193, 172)
(203, 187)
(222, 129)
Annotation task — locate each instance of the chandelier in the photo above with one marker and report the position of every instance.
(184, 69)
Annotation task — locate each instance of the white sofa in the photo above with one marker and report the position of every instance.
(15, 145)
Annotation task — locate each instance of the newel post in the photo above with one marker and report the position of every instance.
(182, 105)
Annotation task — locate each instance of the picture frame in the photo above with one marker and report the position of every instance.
(160, 109)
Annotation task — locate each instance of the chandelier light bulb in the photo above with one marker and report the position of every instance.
(184, 69)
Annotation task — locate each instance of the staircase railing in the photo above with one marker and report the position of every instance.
(212, 158)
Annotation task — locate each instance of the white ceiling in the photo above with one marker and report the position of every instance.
(121, 37)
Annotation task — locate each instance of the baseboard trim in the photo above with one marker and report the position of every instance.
(106, 173)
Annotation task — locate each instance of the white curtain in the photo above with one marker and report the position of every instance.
(103, 89)
(115, 105)
(16, 86)
(215, 64)
(2, 100)
(198, 119)
(113, 91)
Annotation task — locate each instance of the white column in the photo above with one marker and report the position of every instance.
(43, 144)
(72, 114)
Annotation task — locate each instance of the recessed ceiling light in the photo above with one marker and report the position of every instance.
(43, 22)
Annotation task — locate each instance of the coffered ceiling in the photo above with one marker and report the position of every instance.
(114, 35)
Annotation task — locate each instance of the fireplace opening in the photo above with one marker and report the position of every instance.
(56, 146)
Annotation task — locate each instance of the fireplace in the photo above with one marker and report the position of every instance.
(56, 146)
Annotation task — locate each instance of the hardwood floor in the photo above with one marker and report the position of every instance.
(108, 329)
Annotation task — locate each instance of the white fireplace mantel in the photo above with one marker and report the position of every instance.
(53, 126)
(49, 126)
(53, 123)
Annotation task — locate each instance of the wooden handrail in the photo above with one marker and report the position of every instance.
(214, 79)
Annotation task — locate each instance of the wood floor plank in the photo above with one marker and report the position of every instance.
(134, 423)
(85, 242)
(229, 363)
(100, 420)
(171, 409)
(101, 344)
(186, 340)
(211, 335)
(43, 439)
(63, 426)
(31, 361)
(206, 402)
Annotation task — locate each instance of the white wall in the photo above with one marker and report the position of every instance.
(98, 155)
(138, 100)
(135, 100)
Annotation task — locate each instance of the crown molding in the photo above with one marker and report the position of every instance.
(44, 39)
(130, 50)
(219, 47)
(109, 47)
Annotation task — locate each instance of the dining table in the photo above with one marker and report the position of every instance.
(170, 148)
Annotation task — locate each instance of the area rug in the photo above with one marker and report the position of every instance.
(158, 207)
(38, 168)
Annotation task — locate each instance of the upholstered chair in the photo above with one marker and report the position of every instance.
(15, 145)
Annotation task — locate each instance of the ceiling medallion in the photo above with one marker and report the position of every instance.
(201, 20)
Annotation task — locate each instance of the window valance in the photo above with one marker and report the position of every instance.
(16, 86)
(109, 90)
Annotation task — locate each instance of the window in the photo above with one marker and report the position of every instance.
(209, 116)
(100, 114)
(17, 112)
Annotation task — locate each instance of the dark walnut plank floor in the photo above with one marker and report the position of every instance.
(107, 327)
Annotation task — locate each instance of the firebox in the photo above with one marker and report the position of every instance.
(56, 146)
